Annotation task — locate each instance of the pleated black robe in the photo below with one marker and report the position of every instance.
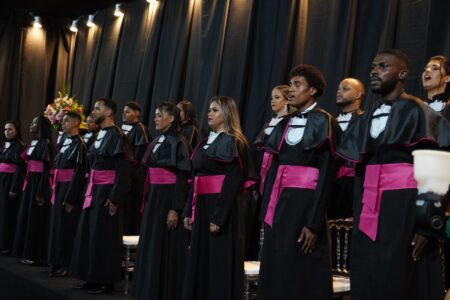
(138, 137)
(63, 225)
(31, 238)
(286, 271)
(384, 268)
(341, 203)
(97, 253)
(10, 182)
(161, 255)
(215, 267)
(89, 139)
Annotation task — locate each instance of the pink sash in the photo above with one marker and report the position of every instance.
(265, 166)
(60, 175)
(97, 177)
(381, 178)
(290, 176)
(345, 172)
(161, 176)
(157, 176)
(204, 185)
(34, 166)
(7, 168)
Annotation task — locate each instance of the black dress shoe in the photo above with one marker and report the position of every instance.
(5, 252)
(27, 262)
(101, 289)
(61, 272)
(83, 286)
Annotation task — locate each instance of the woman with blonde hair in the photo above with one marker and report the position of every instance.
(214, 211)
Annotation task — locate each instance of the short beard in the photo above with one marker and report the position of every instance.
(99, 120)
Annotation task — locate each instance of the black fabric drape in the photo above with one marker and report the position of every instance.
(196, 49)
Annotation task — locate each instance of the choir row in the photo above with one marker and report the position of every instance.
(196, 203)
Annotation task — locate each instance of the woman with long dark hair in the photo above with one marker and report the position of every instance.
(189, 123)
(31, 237)
(12, 168)
(162, 250)
(214, 212)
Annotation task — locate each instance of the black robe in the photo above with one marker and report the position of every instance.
(441, 104)
(341, 203)
(286, 271)
(31, 236)
(97, 254)
(215, 267)
(384, 268)
(10, 182)
(161, 255)
(138, 137)
(191, 134)
(63, 225)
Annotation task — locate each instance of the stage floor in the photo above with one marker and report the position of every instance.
(21, 282)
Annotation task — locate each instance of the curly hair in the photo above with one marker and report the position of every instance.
(312, 75)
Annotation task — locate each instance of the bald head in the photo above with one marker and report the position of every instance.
(349, 94)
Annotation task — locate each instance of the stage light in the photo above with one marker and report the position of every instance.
(37, 22)
(152, 1)
(74, 27)
(118, 11)
(90, 21)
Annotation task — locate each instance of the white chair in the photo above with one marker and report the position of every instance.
(341, 284)
(129, 242)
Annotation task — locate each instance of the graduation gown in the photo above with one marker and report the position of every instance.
(341, 203)
(63, 225)
(192, 135)
(286, 271)
(97, 253)
(138, 137)
(31, 238)
(89, 139)
(383, 268)
(161, 255)
(215, 267)
(10, 153)
(441, 104)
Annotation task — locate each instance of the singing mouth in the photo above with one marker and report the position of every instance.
(427, 77)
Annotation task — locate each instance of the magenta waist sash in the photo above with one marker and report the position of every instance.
(34, 166)
(265, 166)
(160, 176)
(7, 168)
(60, 175)
(204, 185)
(345, 172)
(290, 176)
(379, 178)
(157, 176)
(97, 177)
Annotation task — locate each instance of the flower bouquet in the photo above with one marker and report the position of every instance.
(61, 105)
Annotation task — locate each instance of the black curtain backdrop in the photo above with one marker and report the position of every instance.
(195, 49)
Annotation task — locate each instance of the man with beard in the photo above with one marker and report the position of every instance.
(139, 138)
(391, 258)
(68, 182)
(349, 95)
(296, 232)
(97, 254)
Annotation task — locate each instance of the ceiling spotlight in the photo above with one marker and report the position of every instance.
(74, 27)
(37, 22)
(118, 11)
(152, 1)
(90, 21)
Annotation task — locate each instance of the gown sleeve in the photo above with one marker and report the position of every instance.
(227, 197)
